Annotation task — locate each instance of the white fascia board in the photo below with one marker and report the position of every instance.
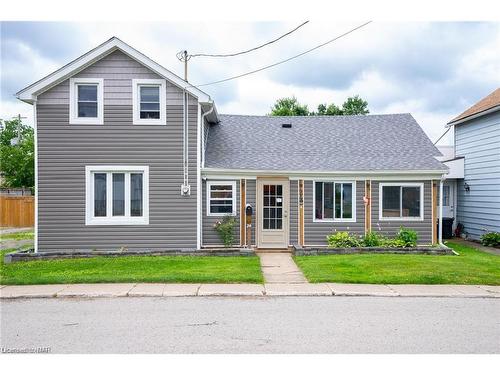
(471, 117)
(415, 174)
(30, 93)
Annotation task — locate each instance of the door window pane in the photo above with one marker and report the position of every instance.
(87, 100)
(410, 201)
(99, 194)
(347, 201)
(391, 200)
(118, 194)
(136, 194)
(149, 102)
(272, 207)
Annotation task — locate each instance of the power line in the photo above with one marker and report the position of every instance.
(447, 130)
(251, 49)
(283, 61)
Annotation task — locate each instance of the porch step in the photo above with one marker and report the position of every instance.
(273, 251)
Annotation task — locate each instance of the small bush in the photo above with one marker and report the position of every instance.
(225, 228)
(342, 239)
(373, 239)
(406, 237)
(393, 242)
(491, 239)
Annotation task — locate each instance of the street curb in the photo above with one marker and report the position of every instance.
(91, 291)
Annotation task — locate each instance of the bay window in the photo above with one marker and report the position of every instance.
(117, 195)
(334, 201)
(401, 201)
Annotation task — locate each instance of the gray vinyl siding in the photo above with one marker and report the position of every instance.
(210, 235)
(251, 196)
(64, 150)
(294, 213)
(390, 228)
(315, 232)
(479, 142)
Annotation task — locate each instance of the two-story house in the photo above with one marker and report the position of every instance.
(129, 155)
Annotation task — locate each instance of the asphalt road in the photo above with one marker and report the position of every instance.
(253, 325)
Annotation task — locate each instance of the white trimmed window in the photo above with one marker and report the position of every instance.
(221, 198)
(149, 101)
(86, 101)
(117, 195)
(335, 201)
(401, 201)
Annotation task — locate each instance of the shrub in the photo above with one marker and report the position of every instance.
(392, 242)
(406, 237)
(225, 229)
(373, 239)
(342, 239)
(491, 239)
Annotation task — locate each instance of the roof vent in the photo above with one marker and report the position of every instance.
(286, 125)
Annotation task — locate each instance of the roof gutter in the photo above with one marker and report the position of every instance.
(471, 117)
(319, 174)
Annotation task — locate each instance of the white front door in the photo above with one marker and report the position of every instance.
(448, 199)
(272, 213)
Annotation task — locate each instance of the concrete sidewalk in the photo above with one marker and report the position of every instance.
(255, 290)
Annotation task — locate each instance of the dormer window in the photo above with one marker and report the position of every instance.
(86, 101)
(149, 103)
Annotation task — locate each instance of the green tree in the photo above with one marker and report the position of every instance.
(289, 107)
(354, 105)
(327, 110)
(17, 154)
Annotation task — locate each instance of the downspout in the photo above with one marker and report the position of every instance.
(35, 126)
(185, 188)
(440, 234)
(203, 134)
(201, 163)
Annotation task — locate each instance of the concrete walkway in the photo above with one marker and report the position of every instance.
(242, 290)
(279, 268)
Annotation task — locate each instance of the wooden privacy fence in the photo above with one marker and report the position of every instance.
(17, 211)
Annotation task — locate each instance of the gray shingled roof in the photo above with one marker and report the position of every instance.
(320, 143)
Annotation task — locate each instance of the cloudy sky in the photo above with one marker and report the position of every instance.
(432, 70)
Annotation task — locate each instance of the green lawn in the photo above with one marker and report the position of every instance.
(167, 269)
(470, 267)
(19, 236)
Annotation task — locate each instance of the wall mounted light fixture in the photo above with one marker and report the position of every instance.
(466, 186)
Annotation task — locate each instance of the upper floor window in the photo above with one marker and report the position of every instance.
(86, 101)
(401, 201)
(117, 195)
(149, 101)
(334, 201)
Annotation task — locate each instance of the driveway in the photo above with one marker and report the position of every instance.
(253, 325)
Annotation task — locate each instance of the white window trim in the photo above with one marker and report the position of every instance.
(334, 220)
(90, 219)
(405, 184)
(73, 105)
(233, 186)
(137, 120)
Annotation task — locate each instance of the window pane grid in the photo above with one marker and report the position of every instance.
(333, 200)
(221, 199)
(118, 194)
(273, 207)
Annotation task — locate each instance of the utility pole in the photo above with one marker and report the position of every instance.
(15, 141)
(184, 57)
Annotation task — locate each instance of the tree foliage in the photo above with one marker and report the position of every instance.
(354, 105)
(17, 154)
(289, 107)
